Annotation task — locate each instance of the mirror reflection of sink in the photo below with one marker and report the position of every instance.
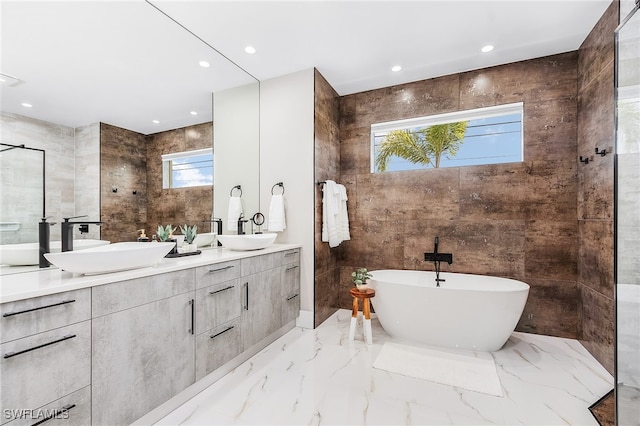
(27, 253)
(248, 241)
(202, 240)
(110, 258)
(205, 239)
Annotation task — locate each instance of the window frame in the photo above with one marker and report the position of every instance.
(447, 117)
(167, 166)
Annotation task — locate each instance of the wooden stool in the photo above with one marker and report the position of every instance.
(365, 295)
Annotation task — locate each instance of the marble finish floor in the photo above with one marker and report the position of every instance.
(315, 377)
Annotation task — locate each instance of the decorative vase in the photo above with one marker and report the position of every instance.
(362, 286)
(192, 247)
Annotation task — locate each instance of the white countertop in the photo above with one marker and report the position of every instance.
(51, 280)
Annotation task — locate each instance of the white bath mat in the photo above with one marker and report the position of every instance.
(474, 371)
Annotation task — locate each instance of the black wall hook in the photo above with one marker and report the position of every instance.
(584, 160)
(601, 153)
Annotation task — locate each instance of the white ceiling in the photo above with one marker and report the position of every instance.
(125, 63)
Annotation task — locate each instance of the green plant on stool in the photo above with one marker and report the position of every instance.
(360, 277)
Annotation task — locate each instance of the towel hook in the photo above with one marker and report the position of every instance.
(280, 184)
(238, 187)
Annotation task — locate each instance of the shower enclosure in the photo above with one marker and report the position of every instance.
(22, 189)
(627, 168)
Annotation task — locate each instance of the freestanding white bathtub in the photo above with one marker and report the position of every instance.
(472, 312)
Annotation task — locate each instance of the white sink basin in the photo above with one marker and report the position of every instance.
(205, 239)
(110, 258)
(27, 253)
(247, 242)
(202, 240)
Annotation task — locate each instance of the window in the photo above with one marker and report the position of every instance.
(479, 136)
(189, 168)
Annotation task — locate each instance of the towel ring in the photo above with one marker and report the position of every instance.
(280, 184)
(238, 187)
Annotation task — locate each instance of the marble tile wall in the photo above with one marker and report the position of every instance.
(327, 166)
(87, 177)
(177, 206)
(123, 162)
(595, 188)
(21, 175)
(514, 220)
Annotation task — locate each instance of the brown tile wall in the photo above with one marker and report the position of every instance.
(514, 220)
(327, 166)
(123, 163)
(177, 206)
(595, 188)
(132, 161)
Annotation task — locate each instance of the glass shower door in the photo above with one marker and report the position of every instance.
(628, 220)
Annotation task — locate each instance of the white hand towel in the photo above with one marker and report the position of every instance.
(235, 211)
(343, 215)
(276, 214)
(330, 212)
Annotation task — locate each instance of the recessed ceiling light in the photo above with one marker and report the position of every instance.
(26, 105)
(250, 50)
(396, 68)
(155, 121)
(204, 64)
(194, 113)
(487, 48)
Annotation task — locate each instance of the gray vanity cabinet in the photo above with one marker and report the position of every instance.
(143, 345)
(262, 306)
(290, 292)
(218, 309)
(46, 350)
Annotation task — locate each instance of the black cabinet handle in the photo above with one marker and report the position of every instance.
(213, 336)
(292, 297)
(193, 316)
(224, 268)
(64, 302)
(222, 289)
(291, 253)
(246, 296)
(291, 268)
(56, 414)
(24, 351)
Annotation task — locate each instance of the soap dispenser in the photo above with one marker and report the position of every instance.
(143, 237)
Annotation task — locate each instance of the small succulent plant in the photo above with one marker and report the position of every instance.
(360, 276)
(189, 233)
(164, 232)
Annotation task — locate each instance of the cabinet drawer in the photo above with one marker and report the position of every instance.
(290, 256)
(70, 410)
(39, 314)
(217, 304)
(290, 280)
(290, 292)
(253, 265)
(42, 368)
(109, 298)
(217, 273)
(217, 346)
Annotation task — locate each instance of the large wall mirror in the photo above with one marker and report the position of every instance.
(98, 83)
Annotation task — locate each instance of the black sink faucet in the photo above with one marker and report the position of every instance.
(241, 222)
(44, 241)
(218, 223)
(67, 230)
